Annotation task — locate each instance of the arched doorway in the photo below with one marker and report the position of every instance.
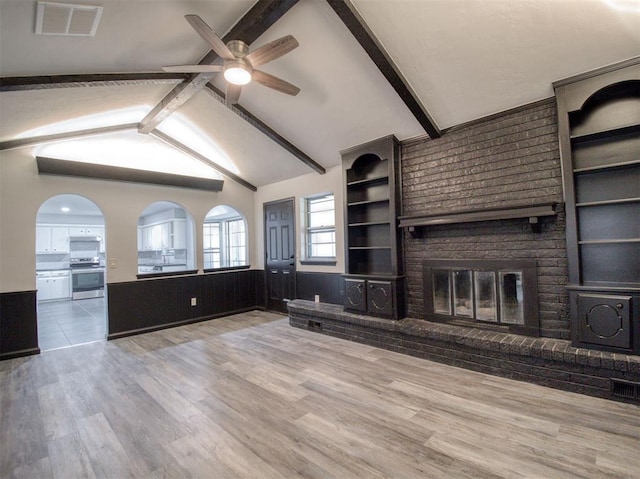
(70, 272)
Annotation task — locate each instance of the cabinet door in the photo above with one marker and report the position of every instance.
(380, 297)
(76, 231)
(44, 288)
(179, 240)
(59, 239)
(605, 320)
(355, 297)
(60, 287)
(43, 239)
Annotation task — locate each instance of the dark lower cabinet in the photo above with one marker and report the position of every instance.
(377, 297)
(380, 297)
(355, 298)
(605, 321)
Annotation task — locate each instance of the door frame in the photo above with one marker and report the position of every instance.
(291, 199)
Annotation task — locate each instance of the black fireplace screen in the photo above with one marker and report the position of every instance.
(500, 292)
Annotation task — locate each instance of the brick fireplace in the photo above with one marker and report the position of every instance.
(485, 202)
(496, 163)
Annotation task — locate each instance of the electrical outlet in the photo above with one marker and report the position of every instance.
(317, 298)
(194, 302)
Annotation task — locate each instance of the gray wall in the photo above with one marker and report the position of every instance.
(504, 160)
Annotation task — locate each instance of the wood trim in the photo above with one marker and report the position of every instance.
(488, 214)
(568, 188)
(45, 82)
(349, 15)
(185, 149)
(52, 166)
(253, 24)
(266, 130)
(597, 72)
(35, 140)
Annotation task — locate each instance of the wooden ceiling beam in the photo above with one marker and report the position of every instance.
(266, 130)
(253, 24)
(349, 15)
(69, 135)
(194, 154)
(45, 82)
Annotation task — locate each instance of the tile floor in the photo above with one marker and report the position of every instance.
(67, 323)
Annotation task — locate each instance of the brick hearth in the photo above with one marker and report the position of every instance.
(546, 361)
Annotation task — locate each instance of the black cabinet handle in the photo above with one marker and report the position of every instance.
(619, 306)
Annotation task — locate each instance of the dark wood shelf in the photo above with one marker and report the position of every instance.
(354, 248)
(609, 241)
(619, 201)
(609, 166)
(605, 134)
(368, 202)
(369, 223)
(533, 212)
(368, 181)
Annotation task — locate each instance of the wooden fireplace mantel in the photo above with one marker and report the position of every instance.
(532, 212)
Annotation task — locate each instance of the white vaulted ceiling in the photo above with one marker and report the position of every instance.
(464, 59)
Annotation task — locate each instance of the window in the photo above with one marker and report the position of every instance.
(165, 239)
(224, 238)
(320, 230)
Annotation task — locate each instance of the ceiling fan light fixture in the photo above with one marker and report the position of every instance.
(237, 72)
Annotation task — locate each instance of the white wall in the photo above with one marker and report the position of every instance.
(300, 187)
(22, 191)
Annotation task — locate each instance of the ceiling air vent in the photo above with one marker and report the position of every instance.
(68, 20)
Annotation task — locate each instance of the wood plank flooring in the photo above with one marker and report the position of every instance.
(250, 397)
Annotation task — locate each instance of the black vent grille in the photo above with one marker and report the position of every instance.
(625, 389)
(314, 325)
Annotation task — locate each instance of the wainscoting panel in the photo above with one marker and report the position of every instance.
(18, 324)
(139, 306)
(329, 286)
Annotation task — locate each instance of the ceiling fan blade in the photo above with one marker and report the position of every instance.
(274, 82)
(210, 37)
(271, 51)
(193, 68)
(232, 94)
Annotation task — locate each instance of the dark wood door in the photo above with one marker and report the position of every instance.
(280, 248)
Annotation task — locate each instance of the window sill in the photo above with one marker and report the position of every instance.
(228, 268)
(319, 262)
(188, 272)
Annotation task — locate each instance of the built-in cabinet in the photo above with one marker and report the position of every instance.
(373, 279)
(55, 239)
(599, 127)
(53, 285)
(52, 239)
(165, 235)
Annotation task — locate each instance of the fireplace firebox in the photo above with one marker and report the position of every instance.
(494, 294)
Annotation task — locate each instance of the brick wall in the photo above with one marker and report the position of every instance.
(503, 160)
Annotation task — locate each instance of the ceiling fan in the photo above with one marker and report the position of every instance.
(239, 65)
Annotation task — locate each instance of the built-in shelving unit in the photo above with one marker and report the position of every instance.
(599, 128)
(372, 244)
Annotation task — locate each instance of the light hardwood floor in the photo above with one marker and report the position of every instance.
(248, 396)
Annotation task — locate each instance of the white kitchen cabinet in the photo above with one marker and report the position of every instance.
(52, 239)
(86, 231)
(53, 285)
(179, 234)
(59, 239)
(60, 287)
(43, 239)
(43, 285)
